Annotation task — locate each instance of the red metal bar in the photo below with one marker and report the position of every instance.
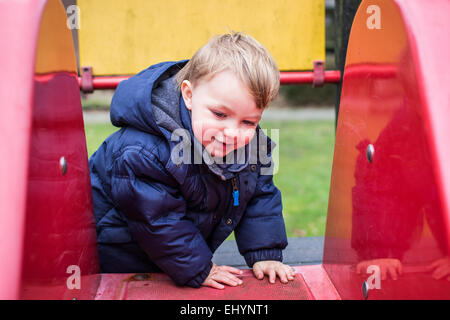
(108, 82)
(103, 83)
(304, 77)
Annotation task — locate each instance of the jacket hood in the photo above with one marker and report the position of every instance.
(146, 101)
(151, 102)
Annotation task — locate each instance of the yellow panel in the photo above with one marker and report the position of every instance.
(124, 37)
(55, 51)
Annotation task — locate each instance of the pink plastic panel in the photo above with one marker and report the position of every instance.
(18, 24)
(388, 215)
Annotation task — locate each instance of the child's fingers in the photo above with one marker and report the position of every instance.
(434, 265)
(281, 272)
(285, 273)
(272, 275)
(258, 272)
(234, 280)
(227, 278)
(290, 272)
(231, 269)
(274, 270)
(440, 272)
(213, 284)
(217, 285)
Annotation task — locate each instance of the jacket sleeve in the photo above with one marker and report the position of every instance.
(155, 212)
(261, 234)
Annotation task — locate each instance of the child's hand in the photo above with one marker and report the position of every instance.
(388, 266)
(222, 274)
(440, 268)
(272, 269)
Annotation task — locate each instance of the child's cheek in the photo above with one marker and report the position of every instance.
(248, 136)
(201, 131)
(208, 133)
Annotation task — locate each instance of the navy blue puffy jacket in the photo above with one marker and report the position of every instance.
(152, 214)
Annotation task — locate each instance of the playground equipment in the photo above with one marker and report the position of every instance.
(109, 53)
(390, 188)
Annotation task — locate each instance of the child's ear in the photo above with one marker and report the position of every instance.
(186, 91)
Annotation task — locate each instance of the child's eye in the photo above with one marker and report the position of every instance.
(219, 114)
(249, 123)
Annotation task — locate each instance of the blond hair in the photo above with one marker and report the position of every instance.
(241, 54)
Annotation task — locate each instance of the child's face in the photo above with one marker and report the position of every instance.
(224, 113)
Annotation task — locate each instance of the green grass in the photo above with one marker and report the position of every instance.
(305, 160)
(304, 172)
(96, 134)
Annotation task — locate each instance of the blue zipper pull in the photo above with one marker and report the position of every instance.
(236, 198)
(235, 192)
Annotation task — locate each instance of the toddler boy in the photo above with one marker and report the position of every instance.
(189, 166)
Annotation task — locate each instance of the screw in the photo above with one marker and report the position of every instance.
(365, 290)
(63, 165)
(370, 152)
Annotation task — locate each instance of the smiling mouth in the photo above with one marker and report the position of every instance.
(225, 144)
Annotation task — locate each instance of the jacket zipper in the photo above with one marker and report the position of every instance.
(235, 192)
